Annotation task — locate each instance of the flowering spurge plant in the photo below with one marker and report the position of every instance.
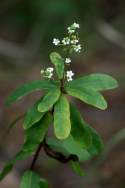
(73, 141)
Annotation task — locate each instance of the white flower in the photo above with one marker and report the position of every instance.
(50, 75)
(78, 48)
(56, 41)
(66, 41)
(75, 25)
(75, 41)
(69, 79)
(42, 71)
(71, 30)
(69, 75)
(67, 60)
(50, 69)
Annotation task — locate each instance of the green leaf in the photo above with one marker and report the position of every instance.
(76, 168)
(32, 180)
(97, 82)
(58, 62)
(62, 125)
(49, 100)
(88, 96)
(14, 123)
(9, 166)
(30, 87)
(78, 128)
(97, 144)
(69, 146)
(32, 116)
(35, 135)
(43, 183)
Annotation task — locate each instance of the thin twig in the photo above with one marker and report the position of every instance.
(36, 156)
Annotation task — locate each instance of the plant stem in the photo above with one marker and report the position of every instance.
(57, 155)
(36, 156)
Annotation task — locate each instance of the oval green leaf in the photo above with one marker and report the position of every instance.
(97, 143)
(21, 155)
(58, 62)
(32, 180)
(88, 96)
(62, 125)
(97, 81)
(35, 135)
(30, 87)
(78, 128)
(69, 147)
(49, 100)
(32, 116)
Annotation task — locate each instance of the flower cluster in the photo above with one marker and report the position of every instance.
(48, 72)
(71, 41)
(70, 45)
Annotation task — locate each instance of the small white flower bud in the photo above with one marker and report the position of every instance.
(67, 60)
(77, 48)
(56, 41)
(66, 41)
(75, 25)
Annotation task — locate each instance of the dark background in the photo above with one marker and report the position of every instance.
(27, 28)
